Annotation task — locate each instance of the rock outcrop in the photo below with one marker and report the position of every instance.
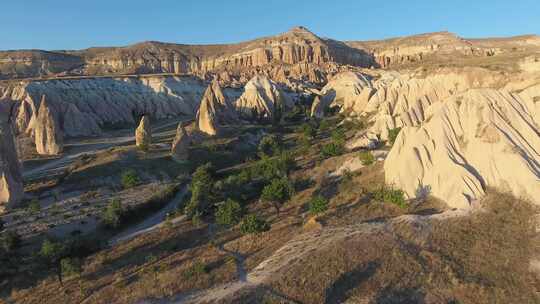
(344, 90)
(11, 182)
(261, 99)
(317, 108)
(477, 139)
(143, 133)
(48, 134)
(214, 110)
(87, 106)
(180, 144)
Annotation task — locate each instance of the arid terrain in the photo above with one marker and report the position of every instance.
(285, 169)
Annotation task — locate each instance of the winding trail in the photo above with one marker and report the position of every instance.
(153, 222)
(301, 246)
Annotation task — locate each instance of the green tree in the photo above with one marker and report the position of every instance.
(252, 224)
(269, 145)
(202, 184)
(229, 213)
(392, 135)
(130, 179)
(278, 192)
(53, 252)
(113, 215)
(318, 205)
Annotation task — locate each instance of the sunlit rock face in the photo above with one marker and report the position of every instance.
(11, 183)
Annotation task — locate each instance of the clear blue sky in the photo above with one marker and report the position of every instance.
(75, 24)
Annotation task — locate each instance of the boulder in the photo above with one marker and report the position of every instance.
(473, 140)
(180, 144)
(143, 134)
(11, 183)
(48, 135)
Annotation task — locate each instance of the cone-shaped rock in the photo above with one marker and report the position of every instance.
(212, 110)
(11, 185)
(317, 108)
(143, 134)
(180, 145)
(49, 137)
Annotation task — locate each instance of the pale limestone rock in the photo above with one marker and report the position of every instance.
(477, 139)
(180, 144)
(11, 183)
(143, 133)
(344, 89)
(317, 109)
(48, 135)
(85, 106)
(363, 140)
(262, 98)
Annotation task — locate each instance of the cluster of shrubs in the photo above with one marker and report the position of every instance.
(390, 195)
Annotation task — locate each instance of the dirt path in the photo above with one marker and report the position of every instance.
(302, 245)
(154, 222)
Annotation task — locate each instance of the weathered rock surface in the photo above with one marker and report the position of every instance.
(344, 89)
(180, 144)
(317, 108)
(298, 45)
(262, 98)
(48, 134)
(477, 139)
(11, 183)
(214, 110)
(143, 133)
(87, 106)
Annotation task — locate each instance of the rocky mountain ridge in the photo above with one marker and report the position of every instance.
(297, 52)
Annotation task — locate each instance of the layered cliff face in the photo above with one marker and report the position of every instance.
(440, 48)
(478, 139)
(85, 107)
(296, 46)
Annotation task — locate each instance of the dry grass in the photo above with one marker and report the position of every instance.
(483, 258)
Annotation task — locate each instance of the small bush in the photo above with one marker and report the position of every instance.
(331, 149)
(34, 207)
(71, 266)
(366, 158)
(392, 135)
(114, 213)
(318, 205)
(338, 136)
(229, 214)
(308, 130)
(130, 179)
(10, 241)
(396, 197)
(195, 271)
(252, 224)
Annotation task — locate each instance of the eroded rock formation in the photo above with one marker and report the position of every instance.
(48, 134)
(11, 183)
(261, 99)
(477, 139)
(143, 133)
(180, 144)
